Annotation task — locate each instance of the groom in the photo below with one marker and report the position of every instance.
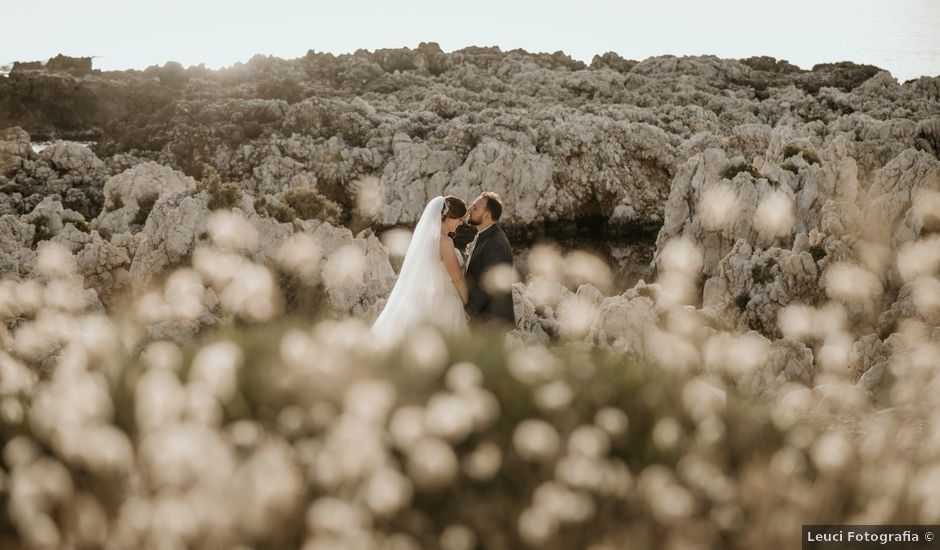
(489, 249)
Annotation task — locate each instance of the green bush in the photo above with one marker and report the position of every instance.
(808, 155)
(309, 204)
(145, 205)
(222, 195)
(733, 170)
(42, 231)
(304, 202)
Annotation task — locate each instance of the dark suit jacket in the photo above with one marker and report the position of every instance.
(492, 249)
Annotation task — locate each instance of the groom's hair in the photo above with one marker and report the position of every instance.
(494, 204)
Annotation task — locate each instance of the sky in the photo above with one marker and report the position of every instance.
(902, 36)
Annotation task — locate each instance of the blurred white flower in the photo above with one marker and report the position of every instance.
(463, 375)
(613, 421)
(576, 316)
(202, 404)
(499, 278)
(55, 261)
(851, 283)
(65, 294)
(230, 230)
(368, 195)
(482, 405)
(345, 268)
(183, 293)
(407, 426)
(332, 515)
(553, 396)
(718, 207)
(584, 268)
(702, 399)
(537, 526)
(926, 204)
(217, 365)
(672, 351)
(669, 501)
(186, 455)
(163, 354)
(925, 292)
(267, 490)
(545, 261)
(252, 293)
(300, 255)
(425, 352)
(666, 433)
(15, 377)
(536, 440)
(797, 322)
(680, 266)
(387, 492)
(833, 355)
(105, 451)
(564, 504)
(589, 441)
(458, 537)
(449, 417)
(432, 464)
(159, 399)
(483, 462)
(19, 450)
(681, 256)
(921, 257)
(370, 400)
(831, 452)
(396, 241)
(774, 215)
(533, 364)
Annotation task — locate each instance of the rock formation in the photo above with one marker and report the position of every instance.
(803, 203)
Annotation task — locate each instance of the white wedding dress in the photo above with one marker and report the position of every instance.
(449, 313)
(424, 292)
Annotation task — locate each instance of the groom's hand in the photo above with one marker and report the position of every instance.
(467, 316)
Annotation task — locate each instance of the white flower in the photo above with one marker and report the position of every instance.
(483, 462)
(387, 492)
(449, 417)
(432, 464)
(217, 366)
(536, 440)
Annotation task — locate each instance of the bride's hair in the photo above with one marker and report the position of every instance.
(454, 208)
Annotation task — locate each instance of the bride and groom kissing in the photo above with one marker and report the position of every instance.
(437, 285)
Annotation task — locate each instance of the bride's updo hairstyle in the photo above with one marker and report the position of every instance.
(454, 208)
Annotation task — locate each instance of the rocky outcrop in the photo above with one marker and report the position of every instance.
(14, 149)
(782, 210)
(130, 196)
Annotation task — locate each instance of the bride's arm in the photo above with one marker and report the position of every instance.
(450, 262)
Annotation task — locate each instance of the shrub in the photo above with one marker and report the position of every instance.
(808, 155)
(275, 209)
(145, 205)
(309, 204)
(733, 170)
(221, 194)
(818, 252)
(42, 232)
(303, 202)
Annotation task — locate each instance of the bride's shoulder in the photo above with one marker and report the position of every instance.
(445, 239)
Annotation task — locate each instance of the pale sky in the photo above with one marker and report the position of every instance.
(902, 36)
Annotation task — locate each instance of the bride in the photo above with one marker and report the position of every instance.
(430, 287)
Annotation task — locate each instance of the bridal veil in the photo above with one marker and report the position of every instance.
(412, 299)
